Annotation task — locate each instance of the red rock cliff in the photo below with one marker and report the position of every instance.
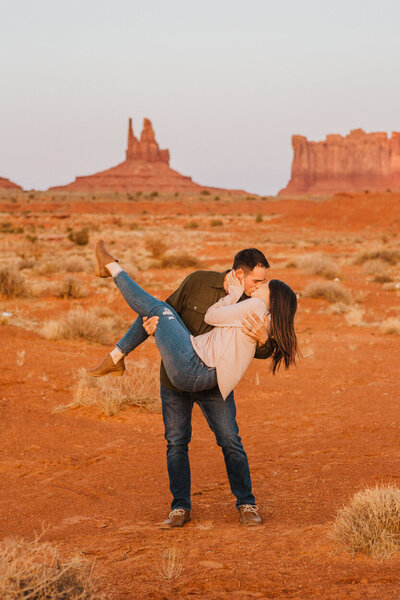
(356, 162)
(7, 184)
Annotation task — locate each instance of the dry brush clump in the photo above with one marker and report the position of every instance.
(156, 246)
(33, 570)
(328, 290)
(391, 326)
(171, 565)
(70, 287)
(13, 283)
(98, 325)
(138, 387)
(316, 264)
(387, 255)
(179, 260)
(371, 522)
(379, 269)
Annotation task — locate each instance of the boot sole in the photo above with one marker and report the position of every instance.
(113, 373)
(174, 526)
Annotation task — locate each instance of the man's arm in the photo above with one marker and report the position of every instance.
(266, 350)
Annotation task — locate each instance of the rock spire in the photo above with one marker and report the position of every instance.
(147, 149)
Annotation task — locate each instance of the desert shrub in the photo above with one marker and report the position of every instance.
(391, 286)
(216, 223)
(6, 227)
(92, 325)
(138, 387)
(259, 218)
(205, 193)
(354, 317)
(153, 195)
(12, 283)
(171, 565)
(49, 267)
(318, 264)
(75, 264)
(328, 290)
(71, 287)
(379, 269)
(339, 308)
(392, 257)
(156, 246)
(191, 225)
(391, 326)
(34, 570)
(81, 237)
(179, 261)
(371, 522)
(26, 263)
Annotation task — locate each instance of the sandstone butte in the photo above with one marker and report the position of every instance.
(145, 168)
(8, 185)
(357, 162)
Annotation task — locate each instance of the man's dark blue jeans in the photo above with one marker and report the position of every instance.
(221, 417)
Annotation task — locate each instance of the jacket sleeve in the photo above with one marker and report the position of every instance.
(266, 350)
(227, 311)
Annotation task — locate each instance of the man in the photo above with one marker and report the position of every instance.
(191, 300)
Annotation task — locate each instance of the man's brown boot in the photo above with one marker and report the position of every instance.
(177, 518)
(249, 515)
(107, 366)
(103, 258)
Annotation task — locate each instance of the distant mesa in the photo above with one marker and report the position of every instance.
(146, 168)
(355, 163)
(6, 184)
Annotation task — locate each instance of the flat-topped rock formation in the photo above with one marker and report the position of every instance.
(357, 162)
(7, 184)
(146, 168)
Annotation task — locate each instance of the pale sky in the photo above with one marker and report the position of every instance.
(226, 83)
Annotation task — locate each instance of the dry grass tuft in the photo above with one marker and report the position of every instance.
(75, 264)
(71, 287)
(138, 387)
(156, 246)
(328, 290)
(171, 563)
(354, 317)
(379, 269)
(371, 522)
(391, 326)
(391, 257)
(179, 261)
(317, 264)
(99, 325)
(33, 569)
(12, 283)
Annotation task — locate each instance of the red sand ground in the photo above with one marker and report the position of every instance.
(314, 436)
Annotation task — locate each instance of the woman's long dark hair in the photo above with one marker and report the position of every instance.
(282, 308)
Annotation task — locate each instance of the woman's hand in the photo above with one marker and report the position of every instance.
(150, 325)
(255, 328)
(232, 280)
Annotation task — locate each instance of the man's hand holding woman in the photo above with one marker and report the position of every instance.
(150, 325)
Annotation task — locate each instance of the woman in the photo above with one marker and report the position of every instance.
(222, 355)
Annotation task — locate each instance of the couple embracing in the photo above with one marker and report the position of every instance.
(208, 331)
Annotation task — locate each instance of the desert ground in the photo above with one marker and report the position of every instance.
(85, 465)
